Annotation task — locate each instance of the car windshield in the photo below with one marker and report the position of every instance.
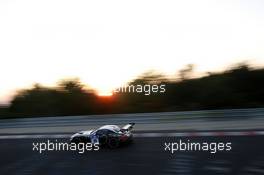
(113, 128)
(116, 129)
(104, 131)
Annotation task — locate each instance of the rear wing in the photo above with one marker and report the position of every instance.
(128, 127)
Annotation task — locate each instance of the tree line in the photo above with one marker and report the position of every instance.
(238, 87)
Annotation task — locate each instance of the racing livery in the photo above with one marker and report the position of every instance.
(111, 136)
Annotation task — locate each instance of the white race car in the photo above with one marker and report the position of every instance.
(107, 135)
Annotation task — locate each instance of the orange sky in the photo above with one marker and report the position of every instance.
(107, 43)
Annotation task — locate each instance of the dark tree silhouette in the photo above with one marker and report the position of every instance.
(238, 87)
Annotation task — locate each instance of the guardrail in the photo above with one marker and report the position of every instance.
(140, 117)
(210, 119)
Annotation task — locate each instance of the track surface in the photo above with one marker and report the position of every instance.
(145, 156)
(244, 128)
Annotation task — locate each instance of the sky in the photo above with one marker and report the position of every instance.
(107, 43)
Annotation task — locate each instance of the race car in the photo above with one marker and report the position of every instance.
(111, 136)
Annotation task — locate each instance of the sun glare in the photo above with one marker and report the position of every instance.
(105, 94)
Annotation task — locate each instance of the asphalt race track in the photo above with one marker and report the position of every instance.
(146, 155)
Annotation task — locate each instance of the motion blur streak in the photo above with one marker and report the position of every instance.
(145, 156)
(156, 134)
(232, 119)
(242, 127)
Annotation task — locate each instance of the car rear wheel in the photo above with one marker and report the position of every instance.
(113, 142)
